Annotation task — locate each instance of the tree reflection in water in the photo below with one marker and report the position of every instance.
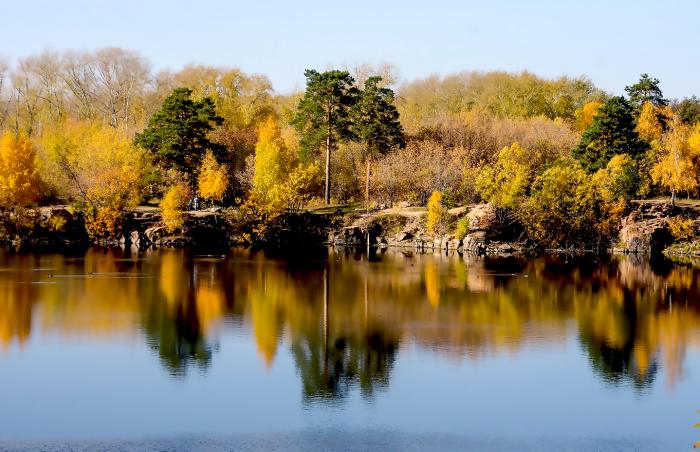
(344, 317)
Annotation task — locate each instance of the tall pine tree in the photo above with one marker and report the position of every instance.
(324, 114)
(612, 132)
(176, 134)
(376, 123)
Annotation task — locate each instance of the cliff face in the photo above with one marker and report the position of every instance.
(58, 226)
(647, 228)
(44, 226)
(406, 228)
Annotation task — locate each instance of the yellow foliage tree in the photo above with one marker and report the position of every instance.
(437, 214)
(97, 165)
(677, 168)
(173, 205)
(272, 160)
(648, 125)
(565, 208)
(18, 174)
(213, 178)
(584, 116)
(618, 180)
(694, 140)
(296, 190)
(505, 182)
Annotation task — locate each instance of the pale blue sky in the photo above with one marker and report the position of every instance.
(610, 41)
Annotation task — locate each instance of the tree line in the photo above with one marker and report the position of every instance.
(101, 131)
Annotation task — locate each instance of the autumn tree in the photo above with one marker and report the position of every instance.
(324, 115)
(297, 189)
(97, 166)
(273, 162)
(620, 179)
(677, 168)
(213, 178)
(505, 182)
(173, 206)
(107, 84)
(612, 132)
(584, 115)
(649, 126)
(176, 135)
(19, 181)
(376, 123)
(437, 214)
(566, 209)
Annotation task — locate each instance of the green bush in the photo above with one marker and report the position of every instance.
(462, 228)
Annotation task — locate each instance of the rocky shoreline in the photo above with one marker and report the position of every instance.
(645, 229)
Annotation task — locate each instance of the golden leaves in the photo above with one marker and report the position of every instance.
(173, 205)
(19, 181)
(213, 178)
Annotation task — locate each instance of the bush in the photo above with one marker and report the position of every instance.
(567, 209)
(103, 222)
(681, 228)
(173, 205)
(437, 214)
(462, 228)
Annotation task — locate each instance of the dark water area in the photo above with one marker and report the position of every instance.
(434, 351)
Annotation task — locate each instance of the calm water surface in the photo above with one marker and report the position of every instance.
(166, 344)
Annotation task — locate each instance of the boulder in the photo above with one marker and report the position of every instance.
(155, 234)
(454, 244)
(482, 217)
(475, 242)
(138, 239)
(645, 229)
(403, 236)
(351, 236)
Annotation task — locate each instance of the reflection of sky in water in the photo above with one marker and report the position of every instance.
(521, 349)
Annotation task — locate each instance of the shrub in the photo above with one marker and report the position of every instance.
(566, 208)
(462, 228)
(213, 178)
(437, 214)
(681, 228)
(18, 175)
(103, 222)
(173, 205)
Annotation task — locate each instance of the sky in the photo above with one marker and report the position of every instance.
(611, 42)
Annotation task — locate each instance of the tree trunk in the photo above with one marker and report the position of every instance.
(367, 185)
(328, 161)
(673, 198)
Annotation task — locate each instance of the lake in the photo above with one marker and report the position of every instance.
(394, 350)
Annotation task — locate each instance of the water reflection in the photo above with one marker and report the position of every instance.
(345, 317)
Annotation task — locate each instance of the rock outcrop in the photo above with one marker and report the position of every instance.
(408, 231)
(645, 229)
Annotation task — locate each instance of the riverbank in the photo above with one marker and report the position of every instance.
(647, 227)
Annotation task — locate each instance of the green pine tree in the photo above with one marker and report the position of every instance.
(177, 133)
(647, 89)
(376, 123)
(612, 132)
(324, 115)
